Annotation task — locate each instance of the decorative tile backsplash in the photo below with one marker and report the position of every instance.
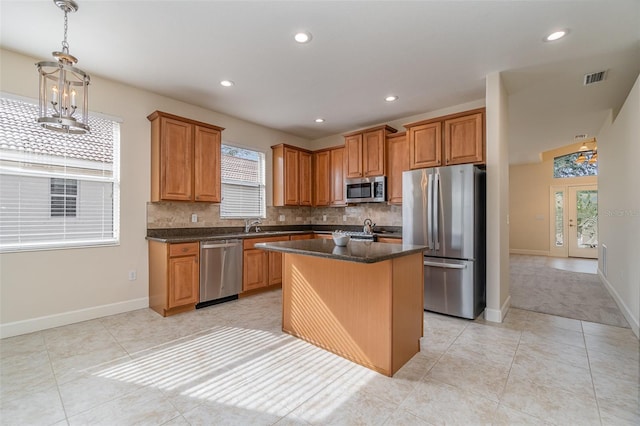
(178, 215)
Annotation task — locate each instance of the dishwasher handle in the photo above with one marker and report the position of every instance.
(220, 245)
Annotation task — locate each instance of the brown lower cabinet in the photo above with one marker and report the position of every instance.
(260, 269)
(174, 277)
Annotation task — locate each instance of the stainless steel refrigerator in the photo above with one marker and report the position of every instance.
(443, 208)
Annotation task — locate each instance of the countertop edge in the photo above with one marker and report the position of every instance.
(410, 249)
(242, 236)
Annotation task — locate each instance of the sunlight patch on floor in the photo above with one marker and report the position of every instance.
(249, 369)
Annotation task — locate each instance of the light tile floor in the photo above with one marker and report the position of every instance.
(231, 364)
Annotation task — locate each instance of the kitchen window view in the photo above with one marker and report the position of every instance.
(57, 190)
(243, 183)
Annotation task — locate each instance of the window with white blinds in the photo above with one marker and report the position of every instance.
(243, 183)
(56, 190)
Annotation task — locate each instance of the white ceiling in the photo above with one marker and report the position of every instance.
(432, 54)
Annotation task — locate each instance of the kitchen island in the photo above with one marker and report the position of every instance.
(363, 301)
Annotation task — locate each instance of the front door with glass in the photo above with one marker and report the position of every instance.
(574, 221)
(583, 221)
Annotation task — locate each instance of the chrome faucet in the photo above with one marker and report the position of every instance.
(248, 223)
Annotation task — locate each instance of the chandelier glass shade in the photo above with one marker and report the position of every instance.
(63, 88)
(590, 155)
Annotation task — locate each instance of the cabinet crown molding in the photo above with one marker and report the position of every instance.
(372, 129)
(297, 148)
(444, 117)
(157, 114)
(396, 135)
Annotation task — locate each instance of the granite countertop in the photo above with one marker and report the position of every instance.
(354, 251)
(217, 237)
(186, 235)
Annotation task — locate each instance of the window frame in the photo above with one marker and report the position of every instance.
(68, 167)
(261, 184)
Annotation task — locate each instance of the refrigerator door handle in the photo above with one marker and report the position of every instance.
(430, 212)
(436, 210)
(445, 265)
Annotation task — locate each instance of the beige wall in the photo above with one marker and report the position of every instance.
(619, 207)
(48, 288)
(529, 203)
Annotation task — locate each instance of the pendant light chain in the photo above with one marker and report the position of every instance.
(65, 45)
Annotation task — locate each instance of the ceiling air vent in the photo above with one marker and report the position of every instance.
(594, 77)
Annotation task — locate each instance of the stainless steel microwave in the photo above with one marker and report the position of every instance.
(366, 190)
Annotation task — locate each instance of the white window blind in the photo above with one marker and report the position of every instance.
(243, 183)
(56, 190)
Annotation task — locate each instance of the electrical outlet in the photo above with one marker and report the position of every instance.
(133, 275)
(281, 218)
(324, 217)
(194, 218)
(344, 217)
(299, 218)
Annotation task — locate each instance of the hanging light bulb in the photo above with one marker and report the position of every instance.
(581, 158)
(583, 148)
(594, 157)
(62, 85)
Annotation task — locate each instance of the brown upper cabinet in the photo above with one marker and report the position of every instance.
(328, 177)
(322, 178)
(291, 176)
(185, 159)
(337, 160)
(397, 162)
(445, 141)
(365, 151)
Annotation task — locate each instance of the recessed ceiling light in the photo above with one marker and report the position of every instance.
(302, 37)
(319, 120)
(556, 35)
(227, 83)
(391, 98)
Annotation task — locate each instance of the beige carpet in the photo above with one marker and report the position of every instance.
(536, 285)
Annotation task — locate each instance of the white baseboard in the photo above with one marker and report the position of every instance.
(495, 315)
(529, 252)
(50, 321)
(633, 322)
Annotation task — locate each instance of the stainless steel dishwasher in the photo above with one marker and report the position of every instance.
(220, 271)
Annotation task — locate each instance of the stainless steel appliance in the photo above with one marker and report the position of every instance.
(366, 190)
(443, 208)
(220, 271)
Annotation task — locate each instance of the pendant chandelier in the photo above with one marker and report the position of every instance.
(64, 88)
(584, 150)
